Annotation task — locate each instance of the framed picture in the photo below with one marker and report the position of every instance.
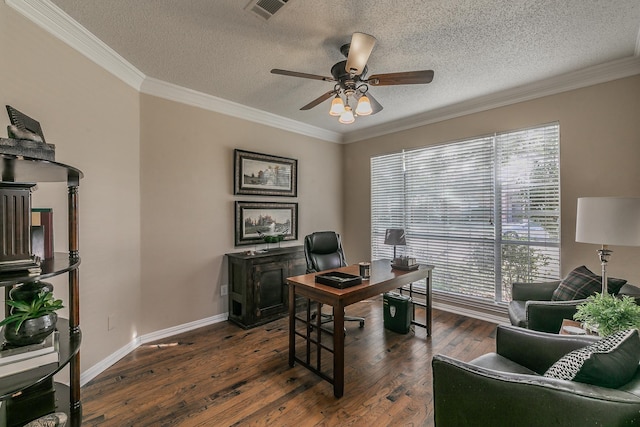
(255, 219)
(264, 175)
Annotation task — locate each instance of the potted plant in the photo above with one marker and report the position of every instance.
(30, 322)
(608, 314)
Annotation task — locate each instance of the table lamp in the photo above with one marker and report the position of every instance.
(395, 237)
(608, 221)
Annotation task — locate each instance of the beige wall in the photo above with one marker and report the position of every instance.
(188, 203)
(157, 199)
(156, 203)
(599, 155)
(93, 119)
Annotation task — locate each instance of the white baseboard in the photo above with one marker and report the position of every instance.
(487, 317)
(175, 330)
(107, 362)
(110, 360)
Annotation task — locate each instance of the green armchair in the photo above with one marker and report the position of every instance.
(531, 306)
(506, 388)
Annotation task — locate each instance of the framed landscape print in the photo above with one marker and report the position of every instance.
(264, 175)
(253, 220)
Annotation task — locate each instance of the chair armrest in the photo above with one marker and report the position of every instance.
(630, 290)
(547, 316)
(536, 350)
(541, 291)
(467, 395)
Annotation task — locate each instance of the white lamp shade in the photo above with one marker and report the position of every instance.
(337, 106)
(364, 106)
(347, 117)
(608, 221)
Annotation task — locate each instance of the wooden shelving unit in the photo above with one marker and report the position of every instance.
(22, 394)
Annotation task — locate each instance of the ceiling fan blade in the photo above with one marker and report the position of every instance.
(406, 78)
(375, 105)
(303, 75)
(319, 100)
(359, 51)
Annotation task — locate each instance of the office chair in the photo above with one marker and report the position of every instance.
(323, 251)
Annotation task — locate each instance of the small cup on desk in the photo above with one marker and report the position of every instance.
(365, 269)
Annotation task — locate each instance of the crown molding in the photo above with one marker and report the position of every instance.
(48, 16)
(54, 20)
(176, 93)
(602, 73)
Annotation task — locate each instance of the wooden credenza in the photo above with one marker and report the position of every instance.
(258, 291)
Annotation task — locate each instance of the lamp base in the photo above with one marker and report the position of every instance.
(604, 255)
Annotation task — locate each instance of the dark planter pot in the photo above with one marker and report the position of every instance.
(29, 291)
(32, 331)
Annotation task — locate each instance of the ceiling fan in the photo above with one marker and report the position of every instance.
(352, 83)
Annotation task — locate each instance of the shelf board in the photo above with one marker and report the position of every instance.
(69, 347)
(26, 169)
(60, 263)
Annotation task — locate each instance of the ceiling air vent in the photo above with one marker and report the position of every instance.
(265, 9)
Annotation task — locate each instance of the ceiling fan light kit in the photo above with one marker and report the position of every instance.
(351, 81)
(337, 106)
(364, 106)
(347, 117)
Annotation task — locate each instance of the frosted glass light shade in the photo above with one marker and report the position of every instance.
(337, 107)
(364, 106)
(608, 221)
(347, 117)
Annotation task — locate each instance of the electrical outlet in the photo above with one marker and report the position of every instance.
(112, 321)
(224, 290)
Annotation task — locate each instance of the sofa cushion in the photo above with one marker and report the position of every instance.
(581, 283)
(610, 362)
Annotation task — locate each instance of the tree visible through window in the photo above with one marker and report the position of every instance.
(485, 211)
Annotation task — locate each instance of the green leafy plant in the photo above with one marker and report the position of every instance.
(608, 314)
(42, 305)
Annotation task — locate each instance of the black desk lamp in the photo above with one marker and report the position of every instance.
(395, 237)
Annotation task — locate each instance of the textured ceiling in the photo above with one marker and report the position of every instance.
(475, 47)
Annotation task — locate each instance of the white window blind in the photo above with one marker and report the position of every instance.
(483, 211)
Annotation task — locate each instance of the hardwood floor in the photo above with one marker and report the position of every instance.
(222, 375)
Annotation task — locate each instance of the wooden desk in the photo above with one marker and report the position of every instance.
(382, 279)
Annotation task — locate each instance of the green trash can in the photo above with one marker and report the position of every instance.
(397, 312)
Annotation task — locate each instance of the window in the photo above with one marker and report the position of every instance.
(485, 211)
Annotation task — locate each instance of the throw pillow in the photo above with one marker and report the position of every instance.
(610, 362)
(581, 283)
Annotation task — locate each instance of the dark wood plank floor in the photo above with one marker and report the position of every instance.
(222, 375)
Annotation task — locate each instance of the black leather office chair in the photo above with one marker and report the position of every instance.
(323, 251)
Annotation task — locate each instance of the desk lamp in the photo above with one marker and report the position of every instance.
(395, 237)
(608, 221)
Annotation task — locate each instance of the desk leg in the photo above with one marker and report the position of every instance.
(338, 350)
(292, 324)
